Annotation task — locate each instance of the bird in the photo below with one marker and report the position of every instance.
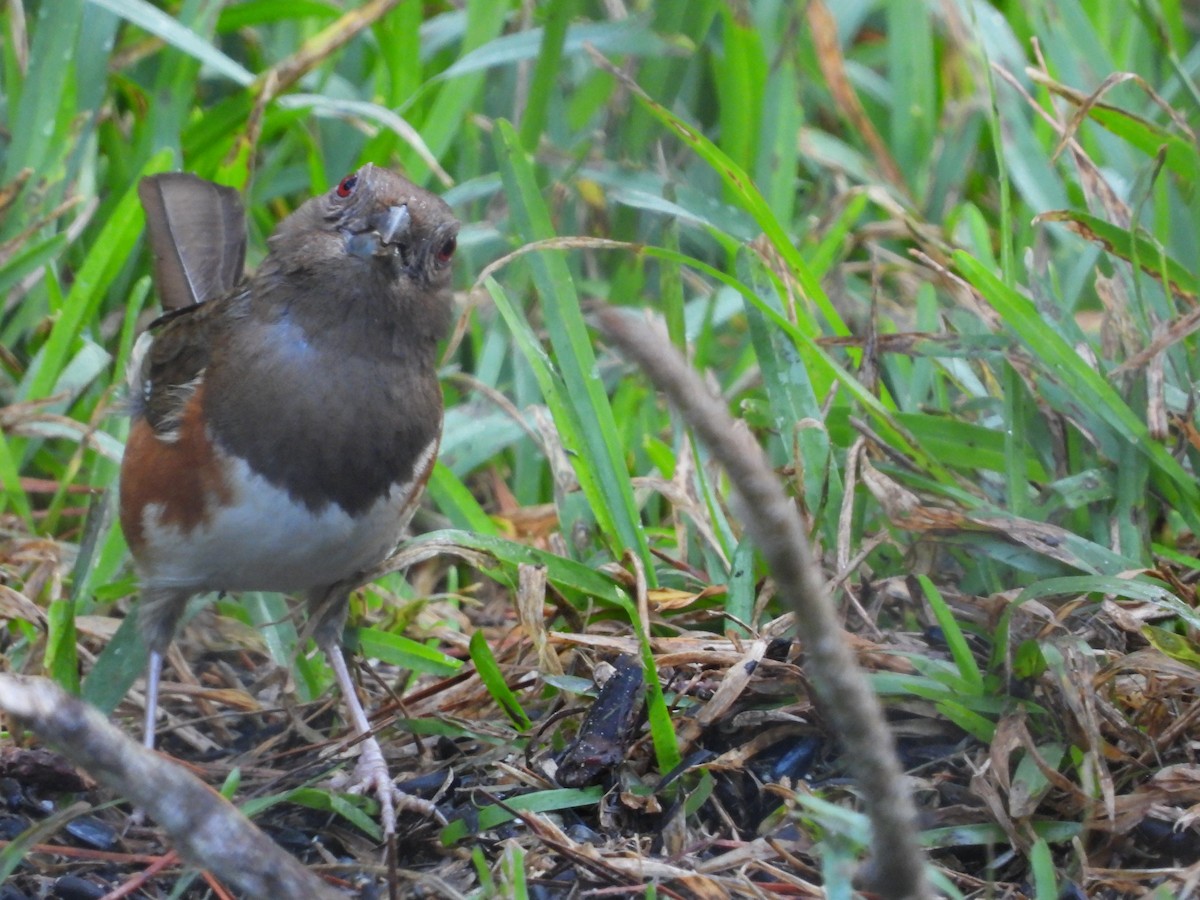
(284, 422)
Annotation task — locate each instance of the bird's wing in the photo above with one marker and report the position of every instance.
(168, 366)
(197, 230)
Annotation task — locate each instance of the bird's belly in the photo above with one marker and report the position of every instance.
(260, 538)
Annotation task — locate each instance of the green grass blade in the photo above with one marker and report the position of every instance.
(454, 499)
(108, 254)
(158, 23)
(569, 428)
(37, 135)
(61, 658)
(490, 817)
(14, 497)
(398, 650)
(1065, 364)
(960, 650)
(493, 680)
(443, 126)
(584, 400)
(543, 87)
(743, 190)
(122, 662)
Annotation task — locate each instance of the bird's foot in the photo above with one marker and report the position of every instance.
(371, 776)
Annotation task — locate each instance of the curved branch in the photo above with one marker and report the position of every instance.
(773, 522)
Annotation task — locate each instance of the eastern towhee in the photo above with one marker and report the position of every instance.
(285, 422)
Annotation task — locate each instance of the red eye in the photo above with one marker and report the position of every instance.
(447, 249)
(346, 186)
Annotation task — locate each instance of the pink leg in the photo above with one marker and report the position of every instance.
(153, 675)
(371, 773)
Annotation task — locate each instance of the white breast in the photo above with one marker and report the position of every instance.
(266, 541)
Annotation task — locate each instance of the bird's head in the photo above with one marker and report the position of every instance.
(372, 223)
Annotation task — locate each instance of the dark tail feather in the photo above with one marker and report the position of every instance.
(197, 230)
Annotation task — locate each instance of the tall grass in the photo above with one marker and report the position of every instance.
(937, 256)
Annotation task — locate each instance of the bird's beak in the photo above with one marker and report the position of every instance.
(384, 235)
(393, 224)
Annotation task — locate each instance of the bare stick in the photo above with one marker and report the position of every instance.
(206, 829)
(772, 521)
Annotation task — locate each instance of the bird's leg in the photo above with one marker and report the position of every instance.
(137, 816)
(158, 619)
(371, 773)
(153, 676)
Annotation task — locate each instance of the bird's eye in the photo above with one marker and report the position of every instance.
(346, 186)
(447, 249)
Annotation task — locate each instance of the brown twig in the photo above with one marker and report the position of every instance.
(773, 522)
(205, 828)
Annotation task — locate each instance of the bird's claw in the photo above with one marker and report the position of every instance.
(371, 776)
